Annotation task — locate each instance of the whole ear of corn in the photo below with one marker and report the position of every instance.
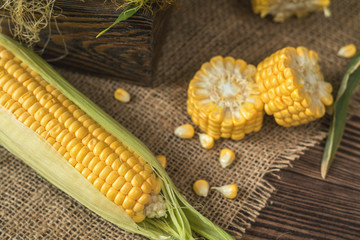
(292, 86)
(224, 100)
(283, 9)
(66, 138)
(113, 168)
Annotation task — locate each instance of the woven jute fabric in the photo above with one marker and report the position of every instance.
(31, 208)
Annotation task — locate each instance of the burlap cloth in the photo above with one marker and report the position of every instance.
(31, 208)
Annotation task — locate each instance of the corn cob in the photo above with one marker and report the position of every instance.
(292, 86)
(115, 170)
(283, 9)
(223, 99)
(72, 143)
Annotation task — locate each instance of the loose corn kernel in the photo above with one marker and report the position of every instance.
(122, 95)
(184, 131)
(224, 99)
(201, 188)
(228, 191)
(284, 9)
(347, 51)
(162, 160)
(306, 93)
(206, 141)
(227, 156)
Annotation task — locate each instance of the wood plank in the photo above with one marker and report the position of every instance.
(308, 207)
(127, 52)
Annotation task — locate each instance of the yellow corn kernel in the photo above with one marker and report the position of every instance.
(227, 156)
(139, 218)
(201, 188)
(184, 131)
(304, 91)
(122, 95)
(223, 95)
(228, 191)
(206, 140)
(162, 160)
(284, 9)
(347, 51)
(146, 187)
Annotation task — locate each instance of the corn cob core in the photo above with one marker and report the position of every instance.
(283, 9)
(293, 87)
(224, 100)
(115, 170)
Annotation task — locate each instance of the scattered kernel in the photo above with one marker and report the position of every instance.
(162, 160)
(229, 191)
(122, 95)
(184, 131)
(201, 188)
(347, 51)
(227, 156)
(206, 141)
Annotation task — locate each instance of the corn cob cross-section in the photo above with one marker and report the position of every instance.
(224, 100)
(292, 86)
(115, 170)
(283, 9)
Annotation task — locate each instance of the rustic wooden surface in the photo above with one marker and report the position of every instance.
(307, 207)
(127, 52)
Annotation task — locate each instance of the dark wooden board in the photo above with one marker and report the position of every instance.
(305, 206)
(127, 52)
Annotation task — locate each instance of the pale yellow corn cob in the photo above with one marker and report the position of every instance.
(293, 87)
(119, 173)
(283, 9)
(224, 100)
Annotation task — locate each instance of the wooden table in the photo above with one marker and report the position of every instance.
(307, 207)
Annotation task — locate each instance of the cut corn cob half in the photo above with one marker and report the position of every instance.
(81, 150)
(283, 9)
(224, 100)
(292, 86)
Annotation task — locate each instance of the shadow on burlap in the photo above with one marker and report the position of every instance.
(31, 208)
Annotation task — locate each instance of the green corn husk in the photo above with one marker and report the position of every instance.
(39, 155)
(338, 120)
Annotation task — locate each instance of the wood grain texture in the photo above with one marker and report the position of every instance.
(307, 207)
(127, 52)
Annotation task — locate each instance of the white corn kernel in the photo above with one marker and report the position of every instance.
(229, 191)
(122, 95)
(156, 208)
(227, 156)
(201, 188)
(347, 51)
(206, 141)
(162, 160)
(185, 131)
